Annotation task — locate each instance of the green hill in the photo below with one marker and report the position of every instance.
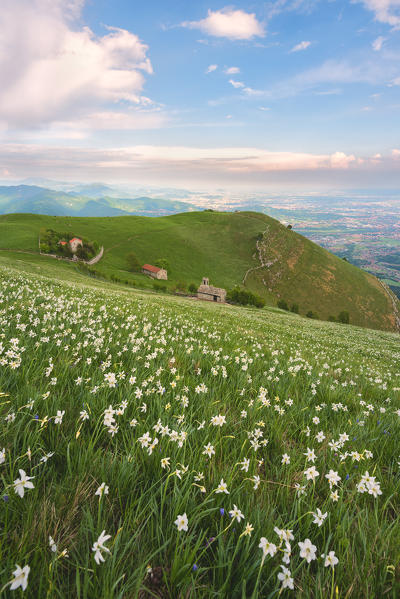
(223, 246)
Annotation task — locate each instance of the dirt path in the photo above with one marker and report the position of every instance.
(261, 257)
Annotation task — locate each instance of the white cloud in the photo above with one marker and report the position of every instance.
(395, 81)
(396, 154)
(250, 91)
(229, 23)
(236, 84)
(52, 70)
(232, 71)
(386, 11)
(301, 46)
(211, 68)
(378, 43)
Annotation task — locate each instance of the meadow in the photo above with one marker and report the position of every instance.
(221, 246)
(154, 446)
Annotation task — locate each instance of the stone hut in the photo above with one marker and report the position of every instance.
(74, 243)
(155, 272)
(210, 293)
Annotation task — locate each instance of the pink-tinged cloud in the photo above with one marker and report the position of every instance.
(51, 69)
(229, 23)
(180, 165)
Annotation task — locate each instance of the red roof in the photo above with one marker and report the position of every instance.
(62, 242)
(151, 268)
(75, 239)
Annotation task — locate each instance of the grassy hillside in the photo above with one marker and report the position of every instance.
(131, 411)
(222, 246)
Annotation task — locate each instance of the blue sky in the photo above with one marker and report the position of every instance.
(250, 94)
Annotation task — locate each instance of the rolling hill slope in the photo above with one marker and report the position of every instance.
(223, 246)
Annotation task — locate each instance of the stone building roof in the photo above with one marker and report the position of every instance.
(211, 290)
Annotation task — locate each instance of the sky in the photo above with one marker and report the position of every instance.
(250, 95)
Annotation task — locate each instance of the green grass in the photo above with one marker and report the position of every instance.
(65, 337)
(222, 246)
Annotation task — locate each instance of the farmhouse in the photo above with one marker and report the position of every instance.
(154, 272)
(210, 293)
(74, 243)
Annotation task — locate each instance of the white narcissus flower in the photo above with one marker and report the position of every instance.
(236, 513)
(267, 547)
(319, 517)
(22, 483)
(182, 522)
(20, 578)
(286, 578)
(311, 473)
(330, 560)
(222, 487)
(307, 550)
(99, 546)
(2, 455)
(102, 490)
(59, 417)
(52, 544)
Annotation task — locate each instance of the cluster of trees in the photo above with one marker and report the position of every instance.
(343, 316)
(50, 244)
(244, 297)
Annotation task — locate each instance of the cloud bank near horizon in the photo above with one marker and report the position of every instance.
(162, 165)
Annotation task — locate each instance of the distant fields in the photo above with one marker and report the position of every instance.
(222, 246)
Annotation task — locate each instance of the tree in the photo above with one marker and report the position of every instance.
(162, 263)
(295, 308)
(133, 262)
(289, 227)
(192, 288)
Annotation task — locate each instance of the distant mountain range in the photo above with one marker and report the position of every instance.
(85, 200)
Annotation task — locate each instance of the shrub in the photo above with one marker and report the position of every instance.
(160, 287)
(344, 317)
(244, 298)
(289, 227)
(192, 288)
(332, 318)
(311, 314)
(282, 304)
(180, 286)
(294, 308)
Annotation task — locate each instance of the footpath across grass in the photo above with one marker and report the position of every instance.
(156, 447)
